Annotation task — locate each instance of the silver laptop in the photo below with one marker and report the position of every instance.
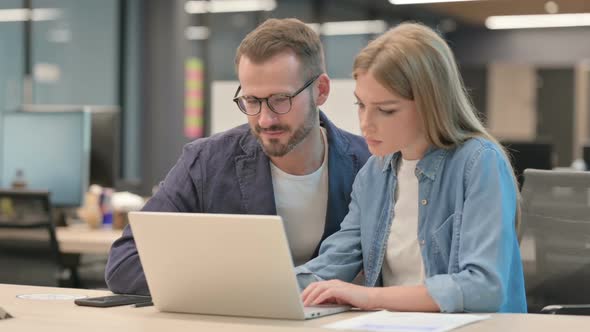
(219, 264)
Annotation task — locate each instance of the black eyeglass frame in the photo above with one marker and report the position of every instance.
(236, 99)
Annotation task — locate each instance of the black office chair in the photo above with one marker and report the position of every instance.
(537, 155)
(29, 251)
(556, 217)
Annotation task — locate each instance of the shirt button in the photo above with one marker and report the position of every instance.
(424, 202)
(421, 242)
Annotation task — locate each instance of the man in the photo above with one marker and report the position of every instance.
(289, 160)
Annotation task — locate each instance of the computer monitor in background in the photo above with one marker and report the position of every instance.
(537, 155)
(104, 148)
(53, 151)
(104, 142)
(586, 156)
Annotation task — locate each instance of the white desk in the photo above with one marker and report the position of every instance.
(73, 239)
(80, 239)
(65, 316)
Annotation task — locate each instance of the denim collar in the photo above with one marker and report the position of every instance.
(428, 165)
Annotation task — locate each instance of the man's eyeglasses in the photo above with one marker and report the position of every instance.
(279, 103)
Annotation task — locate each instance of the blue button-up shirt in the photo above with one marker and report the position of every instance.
(466, 229)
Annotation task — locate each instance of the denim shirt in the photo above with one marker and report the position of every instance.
(466, 229)
(229, 173)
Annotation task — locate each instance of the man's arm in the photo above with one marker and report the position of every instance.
(124, 273)
(178, 193)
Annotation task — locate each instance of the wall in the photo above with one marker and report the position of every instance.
(164, 50)
(341, 50)
(132, 104)
(582, 109)
(511, 107)
(551, 53)
(555, 105)
(539, 47)
(475, 80)
(12, 64)
(75, 57)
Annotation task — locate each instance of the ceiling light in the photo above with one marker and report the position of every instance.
(226, 6)
(415, 2)
(196, 33)
(353, 28)
(537, 21)
(23, 14)
(45, 14)
(196, 7)
(14, 15)
(551, 7)
(314, 26)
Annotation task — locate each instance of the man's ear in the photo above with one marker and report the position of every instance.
(323, 86)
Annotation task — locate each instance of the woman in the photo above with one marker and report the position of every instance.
(433, 212)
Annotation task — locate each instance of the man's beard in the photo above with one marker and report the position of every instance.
(274, 148)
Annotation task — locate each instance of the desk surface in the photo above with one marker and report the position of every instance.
(65, 316)
(80, 239)
(74, 239)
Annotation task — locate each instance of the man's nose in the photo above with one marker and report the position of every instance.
(267, 117)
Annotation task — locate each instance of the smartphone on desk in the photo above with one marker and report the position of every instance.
(113, 300)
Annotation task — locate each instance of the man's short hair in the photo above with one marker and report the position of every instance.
(276, 36)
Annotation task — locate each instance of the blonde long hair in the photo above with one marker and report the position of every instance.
(414, 62)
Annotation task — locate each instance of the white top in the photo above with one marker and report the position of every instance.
(403, 263)
(302, 201)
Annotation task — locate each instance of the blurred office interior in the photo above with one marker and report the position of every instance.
(109, 91)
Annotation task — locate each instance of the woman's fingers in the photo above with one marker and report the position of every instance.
(321, 292)
(328, 295)
(308, 290)
(314, 292)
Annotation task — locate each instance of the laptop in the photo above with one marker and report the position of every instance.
(220, 264)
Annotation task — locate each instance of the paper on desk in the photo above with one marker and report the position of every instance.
(406, 322)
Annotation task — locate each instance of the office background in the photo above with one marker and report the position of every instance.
(529, 84)
(167, 68)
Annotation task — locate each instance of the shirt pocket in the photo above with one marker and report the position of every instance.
(445, 245)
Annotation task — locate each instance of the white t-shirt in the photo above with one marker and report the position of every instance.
(403, 263)
(302, 201)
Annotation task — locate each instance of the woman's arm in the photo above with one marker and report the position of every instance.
(340, 255)
(485, 258)
(394, 298)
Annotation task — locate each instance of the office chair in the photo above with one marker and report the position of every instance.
(556, 215)
(29, 251)
(537, 155)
